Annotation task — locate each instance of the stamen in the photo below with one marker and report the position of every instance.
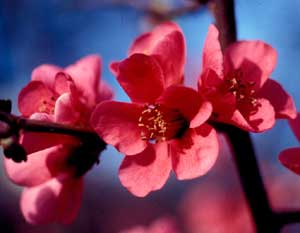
(242, 90)
(159, 123)
(47, 106)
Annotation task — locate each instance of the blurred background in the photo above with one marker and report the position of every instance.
(34, 32)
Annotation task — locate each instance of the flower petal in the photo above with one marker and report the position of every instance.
(46, 74)
(141, 78)
(167, 43)
(148, 41)
(105, 92)
(35, 97)
(185, 99)
(290, 158)
(209, 81)
(117, 124)
(42, 117)
(295, 126)
(114, 67)
(62, 83)
(43, 141)
(195, 153)
(260, 121)
(282, 102)
(212, 58)
(203, 114)
(70, 200)
(54, 201)
(86, 74)
(256, 59)
(171, 55)
(64, 111)
(146, 171)
(264, 118)
(144, 43)
(39, 167)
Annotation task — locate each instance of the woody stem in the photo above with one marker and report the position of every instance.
(20, 123)
(223, 12)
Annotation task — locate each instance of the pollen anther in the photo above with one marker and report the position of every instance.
(159, 123)
(47, 106)
(243, 91)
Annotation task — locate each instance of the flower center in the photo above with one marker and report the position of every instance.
(160, 123)
(47, 106)
(243, 91)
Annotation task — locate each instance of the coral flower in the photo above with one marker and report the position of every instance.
(238, 84)
(291, 156)
(53, 172)
(164, 126)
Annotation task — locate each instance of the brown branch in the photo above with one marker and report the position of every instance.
(223, 11)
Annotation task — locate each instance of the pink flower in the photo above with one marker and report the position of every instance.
(161, 225)
(52, 175)
(164, 127)
(290, 157)
(238, 85)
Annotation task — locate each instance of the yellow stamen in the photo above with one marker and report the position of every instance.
(159, 123)
(243, 91)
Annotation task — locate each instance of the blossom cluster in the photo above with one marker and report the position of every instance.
(166, 127)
